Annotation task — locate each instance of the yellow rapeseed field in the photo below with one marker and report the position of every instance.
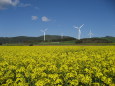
(57, 66)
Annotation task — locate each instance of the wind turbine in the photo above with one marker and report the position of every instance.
(79, 31)
(62, 36)
(90, 34)
(44, 31)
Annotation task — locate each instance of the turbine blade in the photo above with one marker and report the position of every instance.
(81, 26)
(75, 27)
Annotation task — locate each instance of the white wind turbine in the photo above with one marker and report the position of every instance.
(44, 31)
(90, 34)
(62, 35)
(79, 31)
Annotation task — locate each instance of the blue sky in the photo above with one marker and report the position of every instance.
(28, 17)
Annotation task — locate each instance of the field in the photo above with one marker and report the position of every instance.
(57, 66)
(66, 43)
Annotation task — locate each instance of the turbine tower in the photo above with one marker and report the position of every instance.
(79, 31)
(62, 35)
(90, 34)
(44, 31)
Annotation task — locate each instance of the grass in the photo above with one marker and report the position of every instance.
(64, 43)
(60, 43)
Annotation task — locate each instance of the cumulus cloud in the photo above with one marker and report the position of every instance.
(6, 3)
(34, 17)
(45, 19)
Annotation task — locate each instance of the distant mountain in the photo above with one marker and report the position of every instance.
(25, 39)
(55, 37)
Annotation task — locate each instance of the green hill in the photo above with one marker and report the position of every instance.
(93, 40)
(25, 39)
(97, 40)
(55, 39)
(109, 39)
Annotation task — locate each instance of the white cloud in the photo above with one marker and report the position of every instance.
(45, 19)
(24, 5)
(6, 3)
(34, 17)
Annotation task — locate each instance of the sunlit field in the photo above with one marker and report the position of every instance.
(57, 66)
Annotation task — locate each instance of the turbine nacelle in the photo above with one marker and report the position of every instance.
(44, 30)
(79, 27)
